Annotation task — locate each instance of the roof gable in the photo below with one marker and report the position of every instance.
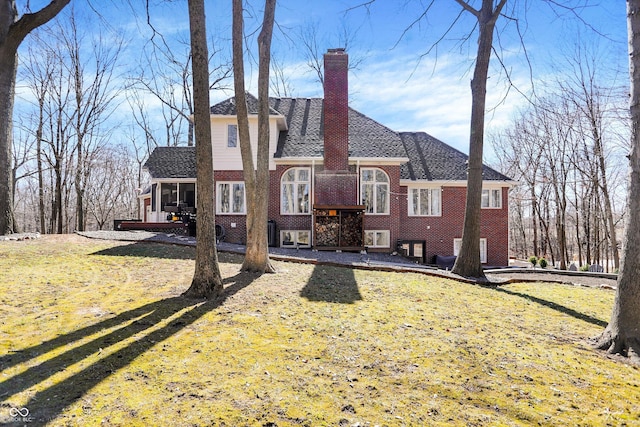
(172, 162)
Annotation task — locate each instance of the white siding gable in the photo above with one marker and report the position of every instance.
(229, 158)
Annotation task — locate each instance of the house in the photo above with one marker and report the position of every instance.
(339, 180)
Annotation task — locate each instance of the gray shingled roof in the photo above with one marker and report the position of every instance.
(429, 158)
(228, 107)
(305, 137)
(172, 162)
(432, 159)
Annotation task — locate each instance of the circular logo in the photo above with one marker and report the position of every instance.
(21, 412)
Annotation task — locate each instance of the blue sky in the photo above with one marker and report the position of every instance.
(404, 90)
(397, 83)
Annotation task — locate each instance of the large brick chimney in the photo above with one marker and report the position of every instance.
(336, 110)
(336, 184)
(338, 221)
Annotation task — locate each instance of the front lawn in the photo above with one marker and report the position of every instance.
(95, 333)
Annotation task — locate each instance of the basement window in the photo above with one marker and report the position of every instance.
(483, 249)
(295, 238)
(376, 238)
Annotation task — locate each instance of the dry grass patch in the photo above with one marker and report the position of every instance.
(94, 333)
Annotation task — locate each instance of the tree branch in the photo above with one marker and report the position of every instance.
(30, 21)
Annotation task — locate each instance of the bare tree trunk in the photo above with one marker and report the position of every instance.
(468, 261)
(257, 254)
(207, 281)
(622, 335)
(41, 215)
(256, 183)
(534, 223)
(578, 239)
(7, 89)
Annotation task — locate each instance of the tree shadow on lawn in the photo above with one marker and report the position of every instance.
(555, 306)
(332, 284)
(45, 405)
(151, 249)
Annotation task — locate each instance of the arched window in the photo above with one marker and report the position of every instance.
(374, 190)
(295, 186)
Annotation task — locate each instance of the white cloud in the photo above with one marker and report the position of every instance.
(434, 98)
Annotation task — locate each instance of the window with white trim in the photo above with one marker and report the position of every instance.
(295, 238)
(483, 249)
(374, 191)
(492, 198)
(232, 136)
(230, 198)
(376, 238)
(168, 194)
(295, 185)
(425, 202)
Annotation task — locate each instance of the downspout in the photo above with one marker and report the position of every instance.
(358, 181)
(313, 198)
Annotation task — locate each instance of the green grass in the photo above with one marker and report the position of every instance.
(95, 333)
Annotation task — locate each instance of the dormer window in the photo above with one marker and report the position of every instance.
(232, 136)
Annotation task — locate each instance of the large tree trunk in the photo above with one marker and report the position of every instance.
(256, 183)
(207, 281)
(7, 88)
(468, 261)
(12, 32)
(622, 335)
(257, 254)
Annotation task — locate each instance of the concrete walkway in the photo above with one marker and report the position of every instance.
(373, 261)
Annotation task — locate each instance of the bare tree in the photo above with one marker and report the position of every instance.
(22, 153)
(111, 187)
(94, 96)
(518, 149)
(167, 76)
(39, 74)
(596, 107)
(468, 261)
(280, 84)
(622, 335)
(207, 281)
(76, 95)
(256, 181)
(313, 47)
(165, 73)
(58, 139)
(13, 31)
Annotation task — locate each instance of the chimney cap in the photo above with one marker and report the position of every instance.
(337, 50)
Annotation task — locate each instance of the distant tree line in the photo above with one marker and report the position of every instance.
(68, 172)
(85, 130)
(567, 149)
